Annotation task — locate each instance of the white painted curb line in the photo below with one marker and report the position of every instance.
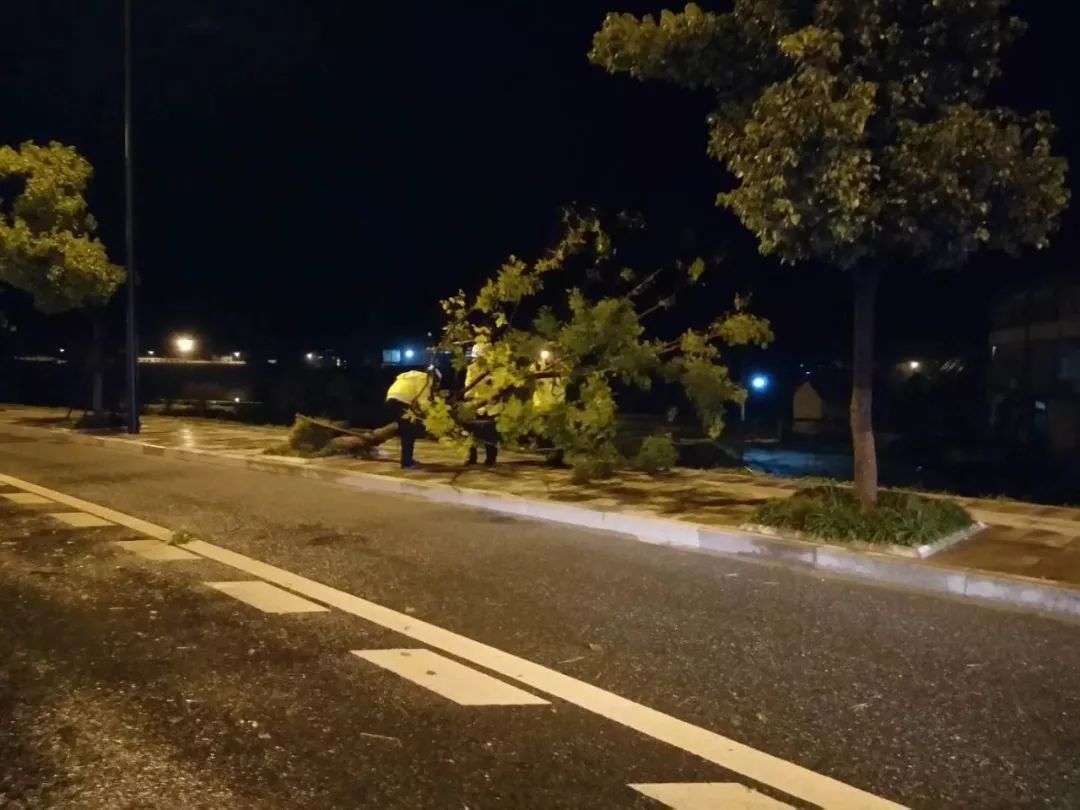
(729, 541)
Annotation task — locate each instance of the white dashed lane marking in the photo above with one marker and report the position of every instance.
(26, 498)
(266, 597)
(450, 679)
(786, 777)
(156, 550)
(710, 796)
(81, 520)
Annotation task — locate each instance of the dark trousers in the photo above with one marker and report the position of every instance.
(484, 432)
(409, 430)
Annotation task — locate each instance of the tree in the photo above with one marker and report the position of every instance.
(858, 135)
(562, 334)
(47, 244)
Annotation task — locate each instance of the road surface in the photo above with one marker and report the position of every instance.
(432, 657)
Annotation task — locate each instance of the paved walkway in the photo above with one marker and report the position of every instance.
(1024, 539)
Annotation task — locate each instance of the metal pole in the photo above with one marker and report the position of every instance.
(129, 228)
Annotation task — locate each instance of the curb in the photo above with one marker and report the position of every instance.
(736, 542)
(922, 552)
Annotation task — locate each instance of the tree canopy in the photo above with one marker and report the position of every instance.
(558, 337)
(47, 244)
(856, 130)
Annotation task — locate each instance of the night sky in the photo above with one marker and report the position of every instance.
(318, 174)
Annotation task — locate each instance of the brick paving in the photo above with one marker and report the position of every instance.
(1027, 539)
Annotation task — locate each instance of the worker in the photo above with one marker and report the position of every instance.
(406, 398)
(549, 392)
(482, 392)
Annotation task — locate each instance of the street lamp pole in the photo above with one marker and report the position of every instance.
(129, 235)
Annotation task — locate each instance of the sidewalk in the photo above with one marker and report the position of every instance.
(1039, 543)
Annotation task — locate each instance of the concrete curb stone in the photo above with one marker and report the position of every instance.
(911, 552)
(729, 541)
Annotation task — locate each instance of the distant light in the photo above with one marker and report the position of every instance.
(409, 354)
(759, 382)
(236, 399)
(272, 361)
(61, 351)
(150, 352)
(310, 355)
(545, 355)
(185, 344)
(236, 355)
(337, 362)
(914, 365)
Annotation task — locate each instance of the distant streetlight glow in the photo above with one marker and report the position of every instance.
(236, 355)
(185, 344)
(150, 352)
(914, 365)
(310, 355)
(236, 399)
(759, 382)
(409, 354)
(545, 355)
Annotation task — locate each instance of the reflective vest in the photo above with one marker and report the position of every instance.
(484, 391)
(548, 393)
(409, 387)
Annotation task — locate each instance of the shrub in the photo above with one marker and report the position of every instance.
(833, 513)
(657, 454)
(586, 467)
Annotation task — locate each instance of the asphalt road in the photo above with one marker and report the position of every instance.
(128, 683)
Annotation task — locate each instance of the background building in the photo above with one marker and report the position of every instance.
(1034, 376)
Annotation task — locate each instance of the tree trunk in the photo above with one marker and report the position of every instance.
(354, 445)
(862, 390)
(96, 352)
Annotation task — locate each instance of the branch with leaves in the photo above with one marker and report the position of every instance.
(561, 335)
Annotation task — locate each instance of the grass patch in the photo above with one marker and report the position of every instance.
(833, 513)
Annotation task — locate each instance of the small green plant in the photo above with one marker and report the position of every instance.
(834, 513)
(599, 464)
(656, 455)
(182, 536)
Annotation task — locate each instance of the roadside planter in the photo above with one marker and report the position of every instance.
(904, 524)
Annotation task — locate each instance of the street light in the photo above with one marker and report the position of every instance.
(914, 365)
(185, 344)
(409, 354)
(759, 384)
(545, 355)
